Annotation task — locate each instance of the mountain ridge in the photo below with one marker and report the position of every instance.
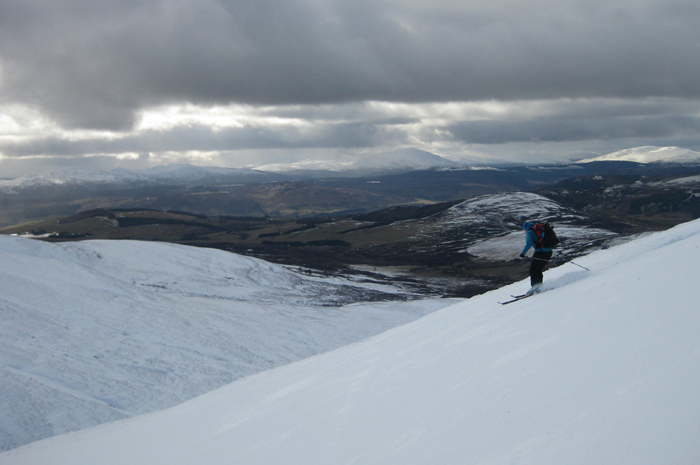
(650, 154)
(396, 160)
(164, 174)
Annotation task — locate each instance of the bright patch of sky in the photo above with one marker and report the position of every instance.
(271, 82)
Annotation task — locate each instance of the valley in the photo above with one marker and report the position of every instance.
(456, 247)
(231, 193)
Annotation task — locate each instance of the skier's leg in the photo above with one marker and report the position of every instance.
(539, 262)
(536, 271)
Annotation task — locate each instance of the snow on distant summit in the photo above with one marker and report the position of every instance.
(401, 159)
(398, 160)
(650, 154)
(164, 175)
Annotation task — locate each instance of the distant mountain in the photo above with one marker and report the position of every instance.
(397, 160)
(490, 226)
(404, 158)
(174, 174)
(650, 154)
(251, 192)
(184, 174)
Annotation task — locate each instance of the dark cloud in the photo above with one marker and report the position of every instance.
(205, 139)
(650, 122)
(94, 64)
(567, 129)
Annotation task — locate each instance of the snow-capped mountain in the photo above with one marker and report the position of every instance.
(173, 174)
(180, 174)
(649, 154)
(403, 158)
(101, 330)
(397, 160)
(601, 368)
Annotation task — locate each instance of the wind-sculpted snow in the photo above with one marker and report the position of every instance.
(97, 330)
(601, 368)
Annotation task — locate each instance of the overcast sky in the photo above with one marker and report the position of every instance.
(106, 83)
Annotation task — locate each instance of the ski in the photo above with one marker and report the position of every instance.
(521, 296)
(516, 298)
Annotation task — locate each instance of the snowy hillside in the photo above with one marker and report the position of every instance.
(603, 368)
(97, 330)
(650, 154)
(491, 225)
(685, 181)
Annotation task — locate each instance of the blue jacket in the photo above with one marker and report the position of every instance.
(531, 239)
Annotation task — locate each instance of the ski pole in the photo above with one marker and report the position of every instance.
(572, 262)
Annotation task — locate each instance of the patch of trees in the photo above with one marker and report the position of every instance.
(127, 222)
(319, 243)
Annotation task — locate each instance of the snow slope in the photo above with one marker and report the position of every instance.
(650, 154)
(603, 368)
(492, 225)
(101, 330)
(685, 181)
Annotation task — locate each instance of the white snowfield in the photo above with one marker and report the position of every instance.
(603, 368)
(650, 154)
(97, 331)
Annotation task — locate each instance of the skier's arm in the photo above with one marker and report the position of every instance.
(529, 242)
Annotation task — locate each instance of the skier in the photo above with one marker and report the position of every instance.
(540, 258)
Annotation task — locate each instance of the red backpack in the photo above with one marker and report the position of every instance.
(546, 237)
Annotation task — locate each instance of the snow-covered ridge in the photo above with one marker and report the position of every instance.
(650, 154)
(603, 367)
(403, 159)
(396, 160)
(102, 330)
(682, 181)
(491, 225)
(507, 206)
(169, 174)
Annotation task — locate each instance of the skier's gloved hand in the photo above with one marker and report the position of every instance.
(522, 255)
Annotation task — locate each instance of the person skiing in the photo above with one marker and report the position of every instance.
(540, 258)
